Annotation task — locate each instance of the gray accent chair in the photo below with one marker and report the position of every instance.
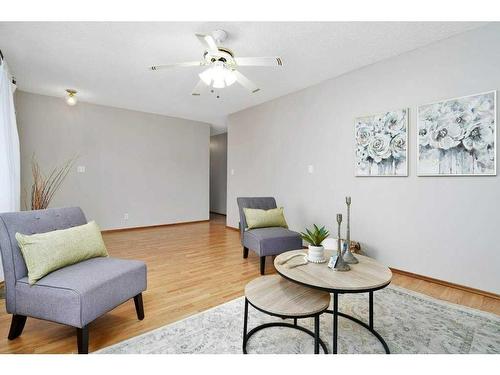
(75, 295)
(265, 241)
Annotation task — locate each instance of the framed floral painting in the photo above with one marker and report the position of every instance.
(381, 144)
(457, 137)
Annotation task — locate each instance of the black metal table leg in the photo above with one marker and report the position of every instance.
(316, 334)
(370, 317)
(245, 322)
(335, 321)
(335, 312)
(335, 291)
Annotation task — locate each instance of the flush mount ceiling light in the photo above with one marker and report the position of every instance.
(222, 65)
(71, 98)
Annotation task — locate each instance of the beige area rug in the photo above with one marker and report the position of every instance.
(409, 322)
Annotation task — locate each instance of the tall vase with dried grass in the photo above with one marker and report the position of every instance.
(44, 186)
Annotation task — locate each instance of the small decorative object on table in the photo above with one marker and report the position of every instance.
(337, 263)
(355, 247)
(315, 237)
(347, 254)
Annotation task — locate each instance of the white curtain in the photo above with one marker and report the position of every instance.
(10, 181)
(10, 177)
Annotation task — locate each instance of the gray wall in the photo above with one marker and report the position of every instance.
(154, 168)
(218, 173)
(442, 227)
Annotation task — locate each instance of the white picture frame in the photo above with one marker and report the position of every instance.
(456, 153)
(392, 162)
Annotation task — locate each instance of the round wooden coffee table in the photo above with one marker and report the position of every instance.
(276, 296)
(365, 277)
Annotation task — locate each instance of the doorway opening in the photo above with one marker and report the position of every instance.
(218, 177)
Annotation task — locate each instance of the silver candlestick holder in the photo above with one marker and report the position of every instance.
(340, 264)
(348, 255)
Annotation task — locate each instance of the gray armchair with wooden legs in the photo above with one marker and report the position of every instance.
(265, 241)
(75, 295)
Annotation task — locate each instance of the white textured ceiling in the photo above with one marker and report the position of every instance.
(107, 62)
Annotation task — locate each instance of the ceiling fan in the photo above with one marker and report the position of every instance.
(222, 65)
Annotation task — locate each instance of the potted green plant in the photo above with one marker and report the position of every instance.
(314, 237)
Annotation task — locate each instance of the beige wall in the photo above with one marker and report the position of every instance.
(155, 168)
(218, 173)
(443, 227)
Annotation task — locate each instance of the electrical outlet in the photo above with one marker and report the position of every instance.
(310, 169)
(125, 216)
(81, 169)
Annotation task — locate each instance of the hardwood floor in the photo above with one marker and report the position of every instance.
(191, 267)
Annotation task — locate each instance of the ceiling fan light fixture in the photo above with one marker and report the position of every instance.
(230, 77)
(218, 71)
(206, 76)
(218, 76)
(222, 65)
(219, 83)
(71, 98)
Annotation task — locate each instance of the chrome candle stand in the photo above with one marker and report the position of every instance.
(347, 254)
(340, 264)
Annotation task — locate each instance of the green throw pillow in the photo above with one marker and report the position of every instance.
(257, 218)
(46, 252)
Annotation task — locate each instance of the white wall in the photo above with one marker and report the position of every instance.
(218, 173)
(442, 227)
(155, 168)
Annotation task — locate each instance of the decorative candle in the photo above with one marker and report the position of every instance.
(348, 234)
(340, 264)
(339, 221)
(347, 254)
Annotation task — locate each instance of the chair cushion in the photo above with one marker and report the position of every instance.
(46, 252)
(271, 241)
(257, 218)
(78, 294)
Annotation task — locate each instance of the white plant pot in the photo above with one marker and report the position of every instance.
(316, 254)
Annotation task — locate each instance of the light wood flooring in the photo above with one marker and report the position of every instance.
(191, 267)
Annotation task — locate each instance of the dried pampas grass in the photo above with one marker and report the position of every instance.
(44, 187)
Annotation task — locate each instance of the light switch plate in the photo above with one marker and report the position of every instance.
(310, 168)
(80, 169)
(232, 172)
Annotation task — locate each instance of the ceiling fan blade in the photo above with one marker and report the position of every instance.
(177, 65)
(245, 82)
(259, 61)
(208, 42)
(199, 88)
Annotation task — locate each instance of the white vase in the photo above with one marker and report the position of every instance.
(316, 254)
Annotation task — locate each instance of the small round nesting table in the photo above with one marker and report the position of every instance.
(367, 276)
(275, 296)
